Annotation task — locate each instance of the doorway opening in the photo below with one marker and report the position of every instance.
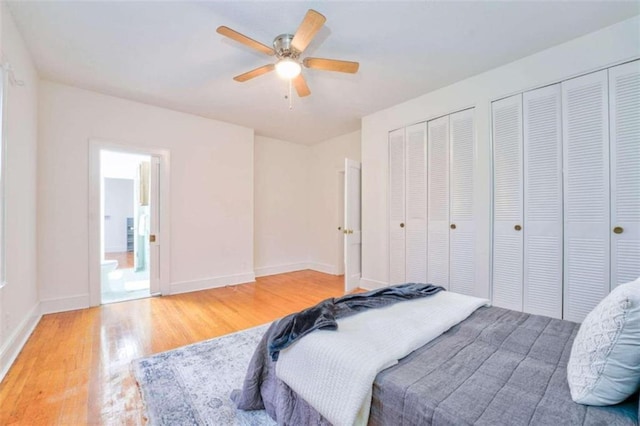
(125, 226)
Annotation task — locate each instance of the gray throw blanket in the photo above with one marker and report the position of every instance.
(261, 376)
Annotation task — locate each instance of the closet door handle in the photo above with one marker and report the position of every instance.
(618, 230)
(517, 227)
(402, 225)
(453, 226)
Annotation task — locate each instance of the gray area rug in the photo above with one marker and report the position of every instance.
(191, 385)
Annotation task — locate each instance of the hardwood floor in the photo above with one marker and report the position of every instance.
(74, 369)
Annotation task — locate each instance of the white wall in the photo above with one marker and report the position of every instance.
(211, 190)
(327, 160)
(611, 45)
(118, 206)
(281, 178)
(19, 297)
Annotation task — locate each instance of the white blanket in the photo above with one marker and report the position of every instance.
(334, 371)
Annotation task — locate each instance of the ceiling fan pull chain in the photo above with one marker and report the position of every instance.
(290, 97)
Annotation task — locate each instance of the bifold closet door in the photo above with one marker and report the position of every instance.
(543, 230)
(508, 204)
(585, 118)
(416, 203)
(462, 227)
(397, 258)
(624, 116)
(438, 202)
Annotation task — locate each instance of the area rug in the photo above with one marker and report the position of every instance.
(191, 385)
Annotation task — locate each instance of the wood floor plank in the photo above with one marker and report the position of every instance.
(75, 367)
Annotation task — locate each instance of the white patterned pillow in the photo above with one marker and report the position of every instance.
(604, 366)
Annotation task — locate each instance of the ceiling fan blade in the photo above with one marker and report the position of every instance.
(254, 73)
(331, 65)
(310, 25)
(301, 86)
(241, 38)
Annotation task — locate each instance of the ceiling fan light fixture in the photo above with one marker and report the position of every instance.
(288, 68)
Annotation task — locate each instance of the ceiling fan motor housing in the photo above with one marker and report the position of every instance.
(283, 48)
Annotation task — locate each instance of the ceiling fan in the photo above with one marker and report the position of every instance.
(288, 49)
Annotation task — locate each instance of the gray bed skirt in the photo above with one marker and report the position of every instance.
(497, 367)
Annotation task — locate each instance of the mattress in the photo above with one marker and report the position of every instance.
(497, 367)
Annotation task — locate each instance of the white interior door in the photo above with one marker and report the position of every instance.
(585, 122)
(624, 97)
(462, 229)
(340, 225)
(507, 202)
(154, 226)
(352, 222)
(416, 204)
(543, 231)
(397, 256)
(438, 202)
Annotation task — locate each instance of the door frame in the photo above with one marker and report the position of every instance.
(95, 146)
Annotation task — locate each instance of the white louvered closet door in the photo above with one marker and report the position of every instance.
(416, 203)
(543, 228)
(462, 229)
(624, 95)
(396, 207)
(438, 202)
(585, 120)
(508, 204)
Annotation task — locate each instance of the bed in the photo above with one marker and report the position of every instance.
(497, 367)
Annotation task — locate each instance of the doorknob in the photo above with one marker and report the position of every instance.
(453, 226)
(152, 238)
(402, 225)
(517, 227)
(618, 230)
(339, 228)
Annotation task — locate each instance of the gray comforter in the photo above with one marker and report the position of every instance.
(497, 367)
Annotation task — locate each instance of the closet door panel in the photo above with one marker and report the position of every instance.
(416, 203)
(396, 207)
(585, 132)
(462, 227)
(624, 95)
(508, 204)
(543, 228)
(438, 202)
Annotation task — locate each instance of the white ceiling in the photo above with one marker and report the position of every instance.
(169, 54)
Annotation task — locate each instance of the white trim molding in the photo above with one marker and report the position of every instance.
(64, 304)
(213, 282)
(16, 341)
(369, 284)
(323, 267)
(280, 269)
